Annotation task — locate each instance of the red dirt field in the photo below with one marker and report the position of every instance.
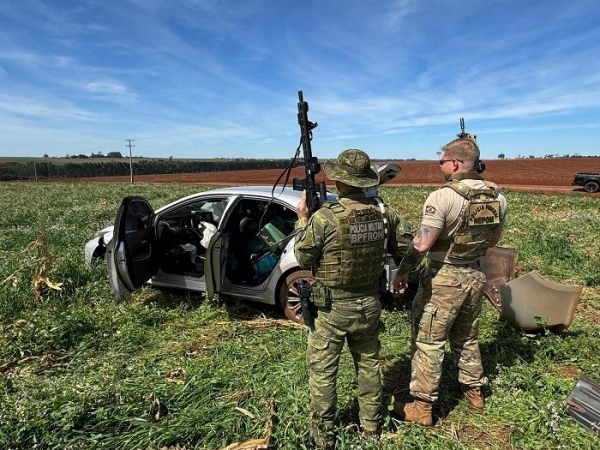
(545, 175)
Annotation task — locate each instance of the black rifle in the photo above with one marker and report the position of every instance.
(315, 191)
(463, 134)
(479, 164)
(306, 305)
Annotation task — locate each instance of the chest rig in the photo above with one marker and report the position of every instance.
(353, 255)
(479, 218)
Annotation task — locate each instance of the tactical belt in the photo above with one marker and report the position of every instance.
(337, 294)
(470, 265)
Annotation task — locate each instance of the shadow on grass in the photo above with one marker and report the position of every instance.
(167, 298)
(508, 347)
(236, 308)
(505, 349)
(246, 309)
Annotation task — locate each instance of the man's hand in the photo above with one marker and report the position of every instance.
(302, 208)
(400, 283)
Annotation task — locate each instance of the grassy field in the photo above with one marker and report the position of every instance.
(165, 370)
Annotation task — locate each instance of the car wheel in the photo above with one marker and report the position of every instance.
(289, 294)
(591, 186)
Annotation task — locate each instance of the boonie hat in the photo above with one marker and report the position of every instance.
(353, 167)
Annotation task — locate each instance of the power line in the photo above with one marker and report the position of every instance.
(129, 141)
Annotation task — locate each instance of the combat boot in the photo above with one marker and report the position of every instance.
(373, 434)
(321, 443)
(323, 437)
(473, 396)
(418, 411)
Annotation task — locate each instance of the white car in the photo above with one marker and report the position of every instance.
(234, 241)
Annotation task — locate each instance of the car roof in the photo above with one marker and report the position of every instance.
(258, 190)
(288, 195)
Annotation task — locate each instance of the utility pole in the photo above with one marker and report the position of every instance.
(129, 141)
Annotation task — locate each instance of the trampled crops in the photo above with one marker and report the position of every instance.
(171, 370)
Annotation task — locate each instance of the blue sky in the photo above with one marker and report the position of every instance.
(220, 78)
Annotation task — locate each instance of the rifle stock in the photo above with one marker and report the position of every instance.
(315, 190)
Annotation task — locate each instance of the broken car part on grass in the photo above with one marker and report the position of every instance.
(529, 302)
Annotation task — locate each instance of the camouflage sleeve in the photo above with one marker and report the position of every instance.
(310, 239)
(400, 244)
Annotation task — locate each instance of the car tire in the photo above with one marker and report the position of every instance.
(591, 186)
(289, 294)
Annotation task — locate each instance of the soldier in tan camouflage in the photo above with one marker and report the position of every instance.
(461, 220)
(345, 243)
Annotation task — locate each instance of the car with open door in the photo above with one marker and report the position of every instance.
(235, 241)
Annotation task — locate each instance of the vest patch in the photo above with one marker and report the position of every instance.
(367, 231)
(484, 213)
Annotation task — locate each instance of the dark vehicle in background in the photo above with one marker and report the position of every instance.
(589, 181)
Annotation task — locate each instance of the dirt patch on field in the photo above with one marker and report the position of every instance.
(588, 307)
(570, 372)
(543, 175)
(483, 435)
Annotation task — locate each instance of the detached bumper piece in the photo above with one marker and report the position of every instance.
(530, 302)
(583, 404)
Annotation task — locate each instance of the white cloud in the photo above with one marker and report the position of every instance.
(33, 109)
(20, 56)
(109, 88)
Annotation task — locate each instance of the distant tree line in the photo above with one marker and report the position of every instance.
(48, 170)
(550, 155)
(93, 155)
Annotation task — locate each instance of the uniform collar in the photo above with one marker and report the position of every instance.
(352, 195)
(470, 175)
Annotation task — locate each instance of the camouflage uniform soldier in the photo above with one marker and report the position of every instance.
(345, 243)
(461, 220)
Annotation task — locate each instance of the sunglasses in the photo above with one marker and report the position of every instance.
(443, 161)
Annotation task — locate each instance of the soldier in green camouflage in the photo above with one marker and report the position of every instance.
(345, 243)
(461, 220)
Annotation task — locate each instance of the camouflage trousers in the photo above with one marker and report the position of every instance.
(446, 308)
(357, 323)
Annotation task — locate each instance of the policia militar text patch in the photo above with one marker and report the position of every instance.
(373, 230)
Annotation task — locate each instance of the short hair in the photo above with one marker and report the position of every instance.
(463, 149)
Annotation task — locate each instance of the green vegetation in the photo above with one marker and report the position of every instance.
(171, 370)
(12, 169)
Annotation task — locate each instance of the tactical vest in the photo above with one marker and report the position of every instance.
(479, 218)
(354, 257)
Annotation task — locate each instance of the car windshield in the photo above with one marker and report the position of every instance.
(209, 210)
